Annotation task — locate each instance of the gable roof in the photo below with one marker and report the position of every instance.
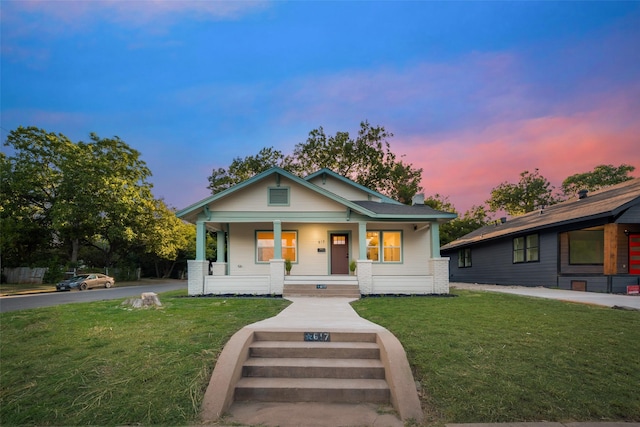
(326, 171)
(604, 203)
(386, 210)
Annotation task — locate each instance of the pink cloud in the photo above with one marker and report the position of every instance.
(465, 165)
(82, 14)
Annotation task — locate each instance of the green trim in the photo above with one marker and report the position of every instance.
(326, 171)
(352, 212)
(380, 259)
(285, 191)
(255, 243)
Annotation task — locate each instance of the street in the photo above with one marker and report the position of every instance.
(22, 302)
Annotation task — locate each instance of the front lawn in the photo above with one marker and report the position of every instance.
(479, 357)
(489, 357)
(102, 363)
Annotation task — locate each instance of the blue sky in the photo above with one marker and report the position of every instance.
(474, 92)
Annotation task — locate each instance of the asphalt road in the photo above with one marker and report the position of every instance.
(23, 302)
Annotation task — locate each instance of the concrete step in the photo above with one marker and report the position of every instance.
(299, 336)
(313, 368)
(319, 280)
(312, 390)
(321, 290)
(328, 350)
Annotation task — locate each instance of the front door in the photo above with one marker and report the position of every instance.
(339, 254)
(634, 254)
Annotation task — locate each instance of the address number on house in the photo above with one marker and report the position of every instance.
(317, 336)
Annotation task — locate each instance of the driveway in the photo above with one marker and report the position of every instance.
(595, 298)
(23, 302)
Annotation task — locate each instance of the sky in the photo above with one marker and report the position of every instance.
(475, 93)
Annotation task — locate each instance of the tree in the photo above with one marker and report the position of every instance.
(532, 192)
(63, 196)
(600, 177)
(31, 180)
(166, 238)
(367, 160)
(472, 219)
(243, 169)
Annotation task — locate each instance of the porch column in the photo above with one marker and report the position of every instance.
(277, 239)
(201, 241)
(362, 240)
(219, 268)
(435, 240)
(221, 246)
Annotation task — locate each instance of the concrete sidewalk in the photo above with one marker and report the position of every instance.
(595, 298)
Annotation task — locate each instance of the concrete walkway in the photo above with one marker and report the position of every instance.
(314, 314)
(595, 298)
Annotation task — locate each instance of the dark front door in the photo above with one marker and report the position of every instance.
(339, 254)
(634, 254)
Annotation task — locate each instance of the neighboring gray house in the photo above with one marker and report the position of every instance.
(321, 224)
(588, 243)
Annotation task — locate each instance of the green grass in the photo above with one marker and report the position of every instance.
(488, 357)
(105, 364)
(479, 357)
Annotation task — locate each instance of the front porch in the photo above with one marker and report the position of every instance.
(363, 282)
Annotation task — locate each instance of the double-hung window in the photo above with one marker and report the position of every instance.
(526, 249)
(464, 258)
(265, 246)
(384, 246)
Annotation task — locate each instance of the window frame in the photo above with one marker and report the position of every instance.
(270, 201)
(464, 258)
(526, 249)
(294, 247)
(381, 247)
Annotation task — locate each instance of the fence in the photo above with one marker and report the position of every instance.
(25, 275)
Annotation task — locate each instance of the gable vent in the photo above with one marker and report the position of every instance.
(279, 196)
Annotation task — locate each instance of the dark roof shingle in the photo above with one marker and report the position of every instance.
(605, 202)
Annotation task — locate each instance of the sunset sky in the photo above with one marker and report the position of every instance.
(474, 92)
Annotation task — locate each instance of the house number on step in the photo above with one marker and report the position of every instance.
(317, 336)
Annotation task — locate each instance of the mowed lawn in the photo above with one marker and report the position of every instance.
(489, 357)
(478, 357)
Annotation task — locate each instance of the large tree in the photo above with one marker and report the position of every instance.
(80, 195)
(600, 177)
(532, 192)
(366, 159)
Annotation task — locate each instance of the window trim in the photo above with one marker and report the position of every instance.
(526, 249)
(381, 247)
(464, 258)
(257, 247)
(270, 202)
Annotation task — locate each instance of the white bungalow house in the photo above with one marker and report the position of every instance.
(320, 223)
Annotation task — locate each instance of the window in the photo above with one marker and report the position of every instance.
(586, 247)
(373, 245)
(339, 240)
(389, 251)
(265, 246)
(278, 196)
(526, 249)
(464, 258)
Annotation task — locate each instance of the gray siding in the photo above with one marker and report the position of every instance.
(630, 216)
(492, 263)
